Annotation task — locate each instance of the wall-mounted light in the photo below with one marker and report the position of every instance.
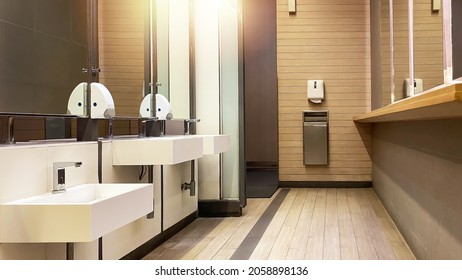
(292, 6)
(436, 5)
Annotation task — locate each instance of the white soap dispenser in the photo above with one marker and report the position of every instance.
(418, 87)
(164, 109)
(102, 103)
(315, 91)
(76, 105)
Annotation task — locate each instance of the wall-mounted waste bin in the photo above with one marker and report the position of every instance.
(315, 137)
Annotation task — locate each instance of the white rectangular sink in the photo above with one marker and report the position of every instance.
(167, 150)
(81, 214)
(216, 144)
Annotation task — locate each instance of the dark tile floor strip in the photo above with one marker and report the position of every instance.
(245, 250)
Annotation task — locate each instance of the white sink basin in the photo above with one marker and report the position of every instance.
(81, 214)
(167, 150)
(216, 144)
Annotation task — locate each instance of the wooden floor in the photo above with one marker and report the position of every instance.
(319, 224)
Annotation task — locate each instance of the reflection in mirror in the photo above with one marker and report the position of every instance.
(160, 19)
(43, 48)
(124, 28)
(179, 57)
(122, 47)
(386, 57)
(121, 42)
(400, 48)
(428, 46)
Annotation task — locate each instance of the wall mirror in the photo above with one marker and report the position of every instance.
(144, 48)
(412, 47)
(43, 48)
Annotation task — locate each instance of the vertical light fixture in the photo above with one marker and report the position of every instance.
(411, 46)
(392, 51)
(292, 6)
(447, 41)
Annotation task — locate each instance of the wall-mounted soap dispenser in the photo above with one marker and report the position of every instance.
(164, 109)
(418, 87)
(102, 103)
(315, 91)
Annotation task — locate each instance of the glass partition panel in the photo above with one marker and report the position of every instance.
(229, 88)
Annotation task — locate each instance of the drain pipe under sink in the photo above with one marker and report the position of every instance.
(191, 186)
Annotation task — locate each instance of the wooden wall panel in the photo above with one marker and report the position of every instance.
(26, 129)
(327, 40)
(121, 54)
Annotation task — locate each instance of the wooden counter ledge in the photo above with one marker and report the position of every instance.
(441, 102)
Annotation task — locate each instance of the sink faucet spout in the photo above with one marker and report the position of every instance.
(187, 127)
(59, 175)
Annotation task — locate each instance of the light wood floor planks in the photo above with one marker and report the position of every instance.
(315, 224)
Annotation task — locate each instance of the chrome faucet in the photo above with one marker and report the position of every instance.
(187, 125)
(59, 175)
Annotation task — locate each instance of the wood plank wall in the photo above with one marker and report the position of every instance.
(121, 55)
(385, 51)
(26, 129)
(328, 40)
(400, 46)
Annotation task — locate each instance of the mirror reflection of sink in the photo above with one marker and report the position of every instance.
(166, 150)
(216, 144)
(81, 214)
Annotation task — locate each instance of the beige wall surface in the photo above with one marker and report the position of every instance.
(327, 40)
(417, 176)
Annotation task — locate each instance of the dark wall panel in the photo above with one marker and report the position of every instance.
(260, 68)
(19, 12)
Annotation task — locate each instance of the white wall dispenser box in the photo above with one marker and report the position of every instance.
(102, 103)
(315, 91)
(418, 87)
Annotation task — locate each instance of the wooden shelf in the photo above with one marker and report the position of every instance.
(442, 102)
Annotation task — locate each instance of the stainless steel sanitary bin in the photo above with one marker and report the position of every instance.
(315, 137)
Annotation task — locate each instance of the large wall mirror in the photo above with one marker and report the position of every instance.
(403, 22)
(43, 48)
(143, 47)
